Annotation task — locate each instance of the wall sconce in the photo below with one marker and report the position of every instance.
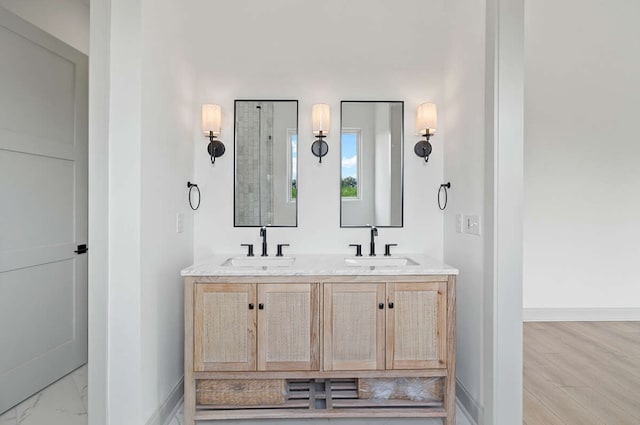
(321, 120)
(426, 124)
(211, 120)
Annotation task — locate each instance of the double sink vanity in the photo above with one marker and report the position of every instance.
(311, 336)
(319, 336)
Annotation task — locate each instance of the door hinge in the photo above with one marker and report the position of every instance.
(82, 249)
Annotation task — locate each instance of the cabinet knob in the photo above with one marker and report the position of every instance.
(260, 306)
(251, 306)
(390, 305)
(381, 306)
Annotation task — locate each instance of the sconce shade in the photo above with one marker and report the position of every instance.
(426, 119)
(321, 119)
(211, 119)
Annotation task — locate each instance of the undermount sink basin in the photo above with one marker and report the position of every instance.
(380, 261)
(260, 262)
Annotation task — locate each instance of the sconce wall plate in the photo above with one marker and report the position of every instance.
(423, 149)
(215, 148)
(319, 147)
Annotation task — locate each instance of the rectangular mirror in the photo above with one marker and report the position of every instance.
(266, 166)
(371, 152)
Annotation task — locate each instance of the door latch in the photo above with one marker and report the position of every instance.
(82, 249)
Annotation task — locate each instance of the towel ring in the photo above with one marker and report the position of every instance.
(444, 187)
(191, 187)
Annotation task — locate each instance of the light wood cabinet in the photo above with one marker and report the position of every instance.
(248, 327)
(224, 327)
(354, 326)
(375, 326)
(319, 347)
(416, 325)
(288, 326)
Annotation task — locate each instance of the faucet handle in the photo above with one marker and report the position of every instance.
(249, 249)
(387, 249)
(358, 249)
(279, 250)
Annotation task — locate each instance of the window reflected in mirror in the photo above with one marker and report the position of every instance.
(350, 143)
(371, 154)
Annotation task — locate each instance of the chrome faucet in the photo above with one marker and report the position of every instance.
(263, 235)
(372, 244)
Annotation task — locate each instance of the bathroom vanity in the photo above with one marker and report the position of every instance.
(319, 337)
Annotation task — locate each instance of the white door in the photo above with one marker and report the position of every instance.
(43, 209)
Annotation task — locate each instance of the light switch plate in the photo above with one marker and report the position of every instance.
(179, 222)
(472, 224)
(460, 223)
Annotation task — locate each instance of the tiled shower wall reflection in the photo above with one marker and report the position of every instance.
(254, 162)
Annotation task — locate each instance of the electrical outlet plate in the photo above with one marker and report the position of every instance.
(472, 224)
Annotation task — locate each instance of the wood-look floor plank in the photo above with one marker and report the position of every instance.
(633, 327)
(537, 413)
(568, 377)
(607, 339)
(608, 383)
(557, 401)
(560, 376)
(582, 372)
(607, 412)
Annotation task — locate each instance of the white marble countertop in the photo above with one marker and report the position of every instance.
(319, 265)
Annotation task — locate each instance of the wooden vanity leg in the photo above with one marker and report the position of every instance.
(450, 380)
(189, 382)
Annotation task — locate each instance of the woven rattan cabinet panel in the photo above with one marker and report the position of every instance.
(354, 326)
(288, 326)
(416, 325)
(225, 327)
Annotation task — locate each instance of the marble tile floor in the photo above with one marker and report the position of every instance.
(65, 403)
(62, 403)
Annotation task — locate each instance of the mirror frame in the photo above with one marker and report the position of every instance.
(401, 225)
(235, 159)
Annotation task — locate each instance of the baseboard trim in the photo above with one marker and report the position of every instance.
(165, 412)
(467, 404)
(580, 314)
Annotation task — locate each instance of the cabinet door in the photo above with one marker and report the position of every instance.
(225, 327)
(288, 326)
(354, 326)
(416, 325)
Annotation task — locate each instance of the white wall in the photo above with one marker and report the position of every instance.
(582, 155)
(124, 333)
(99, 87)
(166, 165)
(67, 20)
(141, 159)
(335, 50)
(462, 117)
